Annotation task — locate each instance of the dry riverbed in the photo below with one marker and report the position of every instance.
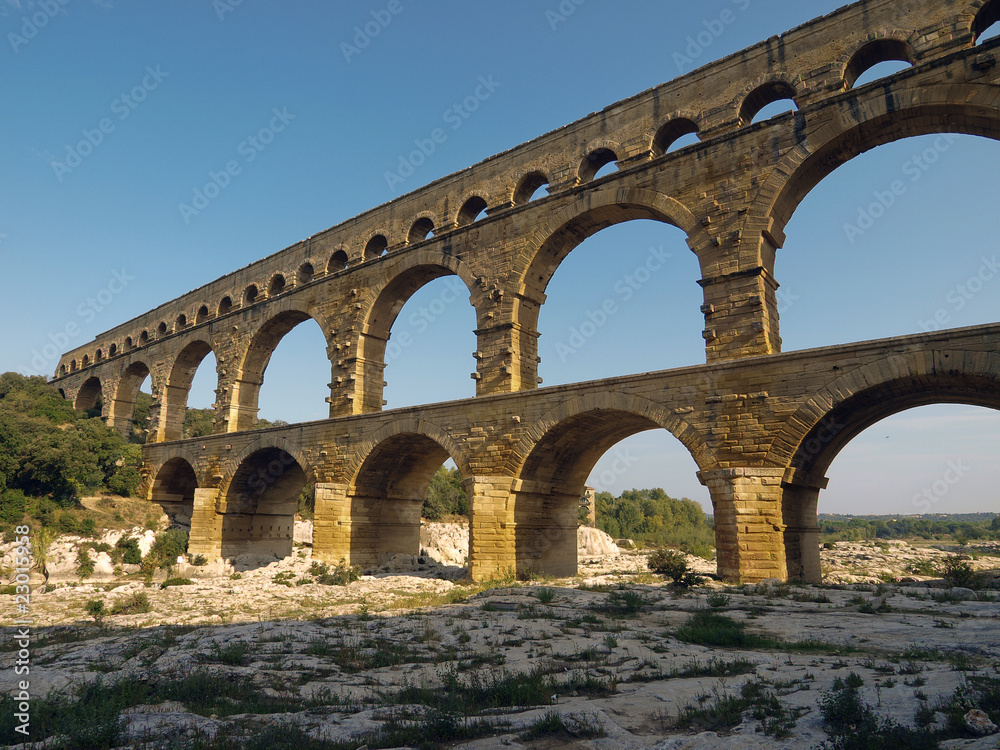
(614, 658)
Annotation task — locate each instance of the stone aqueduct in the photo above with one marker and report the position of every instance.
(762, 426)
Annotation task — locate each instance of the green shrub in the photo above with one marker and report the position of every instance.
(235, 654)
(67, 523)
(572, 729)
(672, 564)
(342, 575)
(718, 600)
(923, 568)
(13, 506)
(166, 548)
(84, 563)
(125, 481)
(445, 496)
(136, 603)
(318, 569)
(623, 602)
(545, 595)
(853, 725)
(130, 552)
(306, 503)
(959, 572)
(713, 629)
(95, 608)
(176, 582)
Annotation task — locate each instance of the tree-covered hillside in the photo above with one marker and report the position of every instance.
(653, 518)
(52, 454)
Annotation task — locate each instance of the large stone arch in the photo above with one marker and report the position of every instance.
(863, 124)
(126, 393)
(263, 441)
(89, 394)
(858, 123)
(379, 511)
(509, 345)
(823, 425)
(554, 239)
(253, 360)
(173, 402)
(655, 415)
(401, 427)
(553, 460)
(983, 14)
(814, 435)
(771, 87)
(883, 45)
(258, 498)
(173, 488)
(402, 279)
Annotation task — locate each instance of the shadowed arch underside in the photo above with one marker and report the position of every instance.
(173, 490)
(175, 396)
(841, 424)
(123, 407)
(259, 505)
(988, 15)
(89, 395)
(387, 496)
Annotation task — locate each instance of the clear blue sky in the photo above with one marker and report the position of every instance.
(211, 75)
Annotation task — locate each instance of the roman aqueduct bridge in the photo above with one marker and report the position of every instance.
(762, 425)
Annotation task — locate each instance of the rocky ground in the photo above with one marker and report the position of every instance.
(412, 653)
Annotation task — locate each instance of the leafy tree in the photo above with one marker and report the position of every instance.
(672, 564)
(140, 418)
(198, 422)
(129, 550)
(307, 502)
(445, 496)
(652, 517)
(34, 397)
(166, 548)
(13, 506)
(48, 449)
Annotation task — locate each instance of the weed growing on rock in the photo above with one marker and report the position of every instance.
(853, 725)
(554, 726)
(727, 711)
(545, 595)
(958, 571)
(718, 600)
